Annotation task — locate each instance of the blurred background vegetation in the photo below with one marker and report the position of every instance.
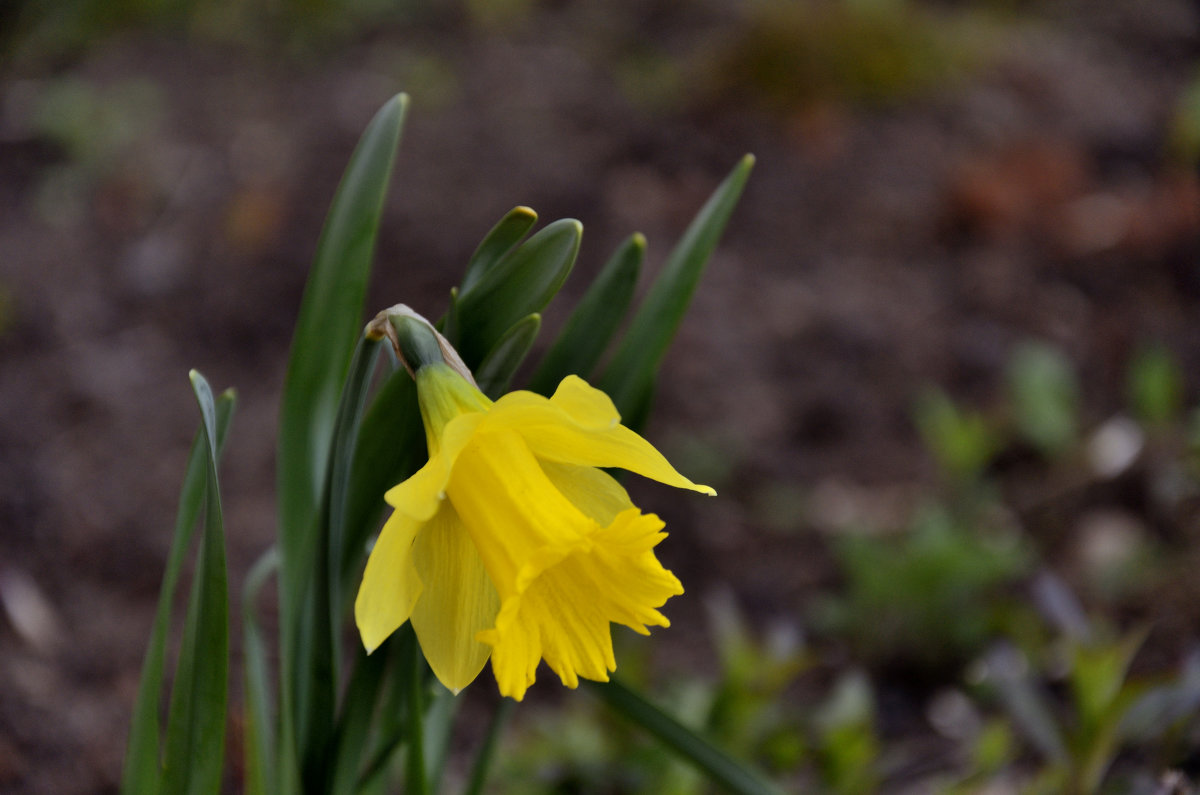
(943, 371)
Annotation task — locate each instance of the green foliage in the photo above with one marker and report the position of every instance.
(516, 285)
(929, 597)
(592, 325)
(962, 441)
(846, 740)
(1106, 711)
(143, 771)
(580, 750)
(1044, 395)
(1155, 386)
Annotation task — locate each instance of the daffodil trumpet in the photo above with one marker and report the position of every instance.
(511, 542)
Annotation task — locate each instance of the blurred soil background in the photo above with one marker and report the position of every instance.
(942, 368)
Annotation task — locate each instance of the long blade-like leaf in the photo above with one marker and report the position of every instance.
(520, 284)
(260, 739)
(354, 723)
(326, 332)
(644, 345)
(143, 756)
(318, 631)
(196, 723)
(587, 332)
(391, 446)
(506, 356)
(498, 242)
(717, 766)
(328, 325)
(487, 751)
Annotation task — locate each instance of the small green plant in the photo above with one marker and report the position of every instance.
(1044, 395)
(1105, 710)
(1155, 387)
(848, 748)
(961, 440)
(931, 597)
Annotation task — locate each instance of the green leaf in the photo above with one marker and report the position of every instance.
(326, 332)
(502, 238)
(502, 361)
(354, 722)
(641, 352)
(196, 723)
(259, 744)
(346, 437)
(439, 731)
(1155, 387)
(962, 441)
(487, 751)
(393, 710)
(143, 764)
(411, 675)
(1045, 397)
(1008, 672)
(327, 329)
(316, 650)
(520, 284)
(587, 332)
(391, 446)
(686, 744)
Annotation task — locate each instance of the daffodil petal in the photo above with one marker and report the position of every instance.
(588, 406)
(511, 508)
(593, 491)
(564, 611)
(390, 585)
(421, 494)
(458, 602)
(555, 434)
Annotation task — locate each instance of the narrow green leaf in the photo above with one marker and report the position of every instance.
(346, 438)
(195, 741)
(326, 331)
(316, 652)
(439, 730)
(412, 674)
(487, 751)
(391, 446)
(354, 722)
(636, 413)
(449, 325)
(1029, 708)
(644, 345)
(587, 332)
(327, 328)
(259, 743)
(502, 238)
(392, 720)
(714, 763)
(143, 762)
(502, 361)
(521, 283)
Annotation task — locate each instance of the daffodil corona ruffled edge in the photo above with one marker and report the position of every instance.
(512, 543)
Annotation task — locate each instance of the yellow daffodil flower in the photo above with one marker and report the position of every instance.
(512, 543)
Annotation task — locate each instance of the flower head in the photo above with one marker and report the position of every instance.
(512, 543)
